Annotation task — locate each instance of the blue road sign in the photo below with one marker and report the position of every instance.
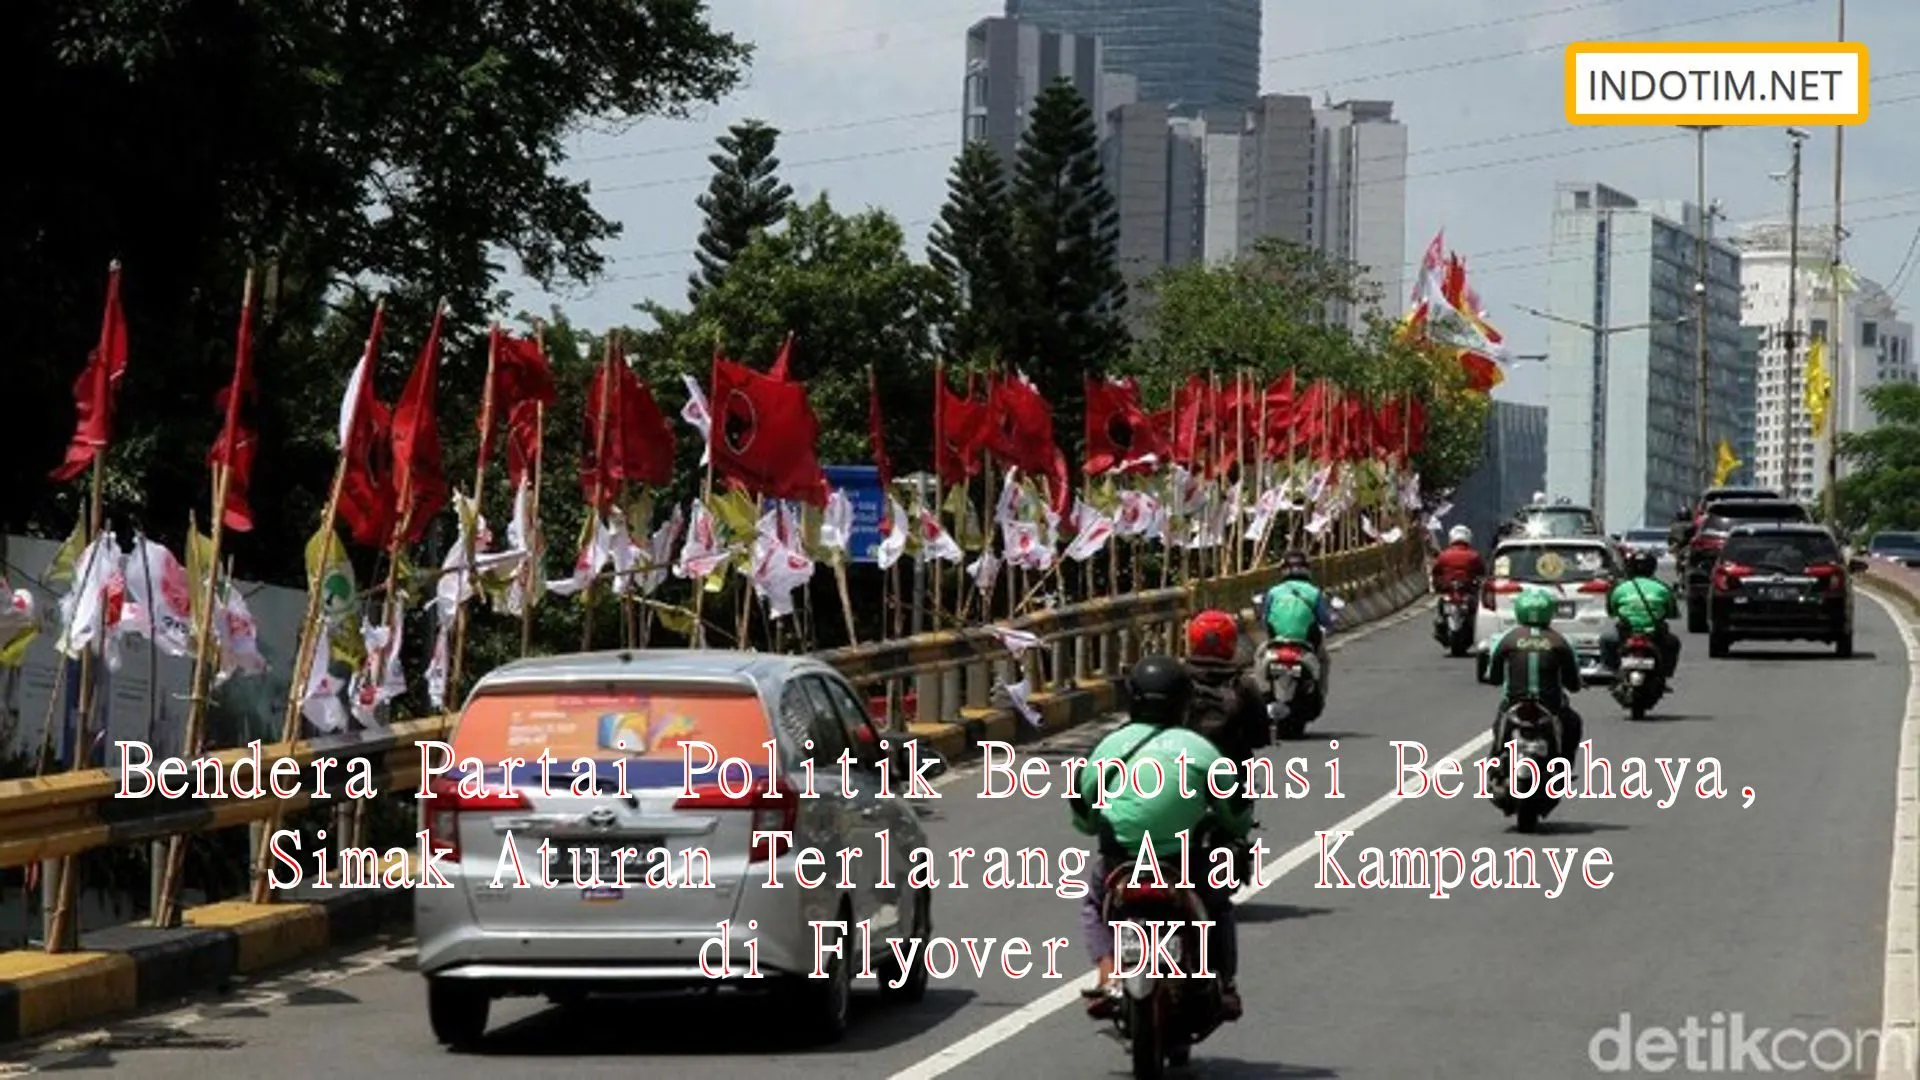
(862, 486)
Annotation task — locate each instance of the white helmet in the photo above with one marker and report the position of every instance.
(1460, 534)
(1539, 498)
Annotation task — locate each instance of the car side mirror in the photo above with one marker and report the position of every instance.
(1856, 566)
(866, 747)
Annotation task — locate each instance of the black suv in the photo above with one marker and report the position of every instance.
(1781, 582)
(1696, 562)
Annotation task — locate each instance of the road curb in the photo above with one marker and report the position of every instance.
(123, 969)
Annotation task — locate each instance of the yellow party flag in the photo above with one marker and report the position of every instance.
(1819, 387)
(1723, 467)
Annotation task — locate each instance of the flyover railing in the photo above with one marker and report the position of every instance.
(958, 682)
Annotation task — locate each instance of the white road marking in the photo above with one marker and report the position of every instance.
(1033, 1012)
(1900, 987)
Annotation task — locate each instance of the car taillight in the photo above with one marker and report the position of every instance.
(1497, 587)
(1833, 576)
(1598, 585)
(1728, 574)
(773, 811)
(440, 814)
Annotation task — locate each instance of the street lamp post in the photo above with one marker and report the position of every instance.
(1790, 462)
(1842, 375)
(1702, 455)
(1601, 337)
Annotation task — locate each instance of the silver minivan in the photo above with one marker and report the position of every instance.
(641, 876)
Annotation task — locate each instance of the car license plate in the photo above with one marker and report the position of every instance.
(1780, 592)
(1564, 610)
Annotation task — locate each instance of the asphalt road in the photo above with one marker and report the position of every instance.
(1776, 912)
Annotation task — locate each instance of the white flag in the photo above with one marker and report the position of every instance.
(321, 702)
(159, 600)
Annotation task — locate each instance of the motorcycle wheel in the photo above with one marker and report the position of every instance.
(1293, 727)
(1639, 708)
(1149, 1038)
(1460, 646)
(1526, 818)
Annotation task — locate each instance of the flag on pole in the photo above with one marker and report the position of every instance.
(1724, 465)
(1819, 389)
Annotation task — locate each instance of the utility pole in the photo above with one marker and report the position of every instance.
(1790, 461)
(1842, 372)
(1703, 453)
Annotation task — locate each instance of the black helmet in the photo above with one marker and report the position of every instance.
(1157, 691)
(1642, 563)
(1296, 566)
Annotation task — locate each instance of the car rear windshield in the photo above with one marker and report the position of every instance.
(1557, 523)
(645, 727)
(1646, 536)
(1723, 515)
(1551, 563)
(1785, 552)
(1896, 542)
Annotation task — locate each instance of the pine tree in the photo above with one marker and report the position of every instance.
(1067, 230)
(972, 248)
(745, 196)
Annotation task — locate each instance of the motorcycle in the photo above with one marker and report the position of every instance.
(1162, 1013)
(1531, 727)
(1640, 684)
(1454, 627)
(1295, 685)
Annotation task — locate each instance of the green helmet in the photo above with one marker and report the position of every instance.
(1533, 608)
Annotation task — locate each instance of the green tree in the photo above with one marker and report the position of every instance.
(1882, 487)
(847, 290)
(414, 145)
(1265, 314)
(745, 196)
(1067, 233)
(972, 248)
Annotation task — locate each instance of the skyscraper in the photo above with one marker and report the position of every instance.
(1622, 360)
(1358, 197)
(1186, 54)
(1009, 62)
(1874, 346)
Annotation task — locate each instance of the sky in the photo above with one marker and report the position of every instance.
(867, 94)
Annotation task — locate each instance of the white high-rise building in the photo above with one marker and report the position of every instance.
(1874, 346)
(1623, 355)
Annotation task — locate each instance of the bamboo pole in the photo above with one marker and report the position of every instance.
(536, 544)
(63, 922)
(600, 467)
(470, 544)
(310, 623)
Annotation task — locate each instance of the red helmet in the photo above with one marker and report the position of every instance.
(1213, 634)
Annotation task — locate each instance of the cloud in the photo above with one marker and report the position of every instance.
(868, 93)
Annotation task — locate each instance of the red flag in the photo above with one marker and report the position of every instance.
(93, 390)
(366, 490)
(877, 431)
(1120, 434)
(521, 375)
(782, 359)
(1277, 439)
(236, 442)
(1416, 426)
(763, 435)
(956, 432)
(629, 433)
(1018, 427)
(1183, 424)
(419, 478)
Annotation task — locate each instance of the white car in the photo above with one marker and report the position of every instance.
(1653, 542)
(1576, 572)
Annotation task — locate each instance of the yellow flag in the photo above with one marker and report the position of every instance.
(1723, 467)
(60, 570)
(200, 569)
(1819, 387)
(328, 564)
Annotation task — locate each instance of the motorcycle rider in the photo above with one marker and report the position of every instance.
(1532, 662)
(1680, 533)
(1297, 611)
(1458, 564)
(1227, 708)
(1159, 691)
(1642, 604)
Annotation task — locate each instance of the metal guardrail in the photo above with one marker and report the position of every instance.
(951, 672)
